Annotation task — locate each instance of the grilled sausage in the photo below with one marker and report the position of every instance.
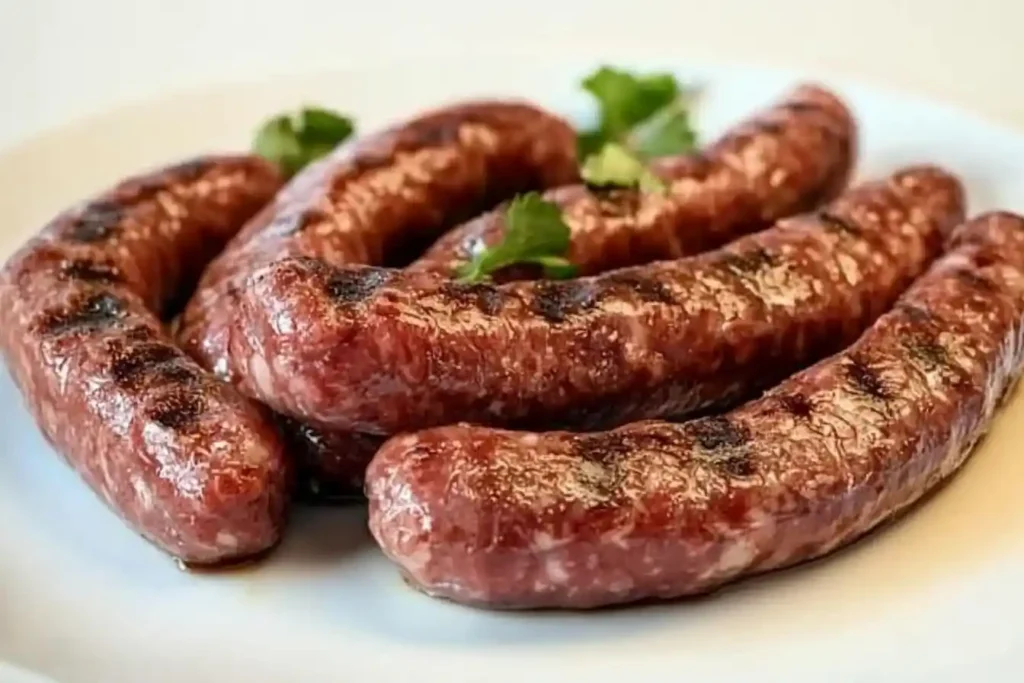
(655, 510)
(382, 197)
(184, 459)
(790, 157)
(785, 160)
(385, 351)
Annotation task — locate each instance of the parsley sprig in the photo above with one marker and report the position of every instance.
(292, 141)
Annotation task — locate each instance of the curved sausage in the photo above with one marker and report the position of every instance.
(384, 351)
(792, 156)
(184, 459)
(660, 510)
(785, 160)
(382, 198)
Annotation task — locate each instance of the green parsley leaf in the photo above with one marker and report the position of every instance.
(535, 232)
(625, 100)
(294, 140)
(615, 165)
(647, 115)
(668, 132)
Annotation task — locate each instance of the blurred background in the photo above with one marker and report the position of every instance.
(63, 59)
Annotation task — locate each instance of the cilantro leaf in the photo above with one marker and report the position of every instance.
(535, 232)
(668, 132)
(294, 140)
(647, 114)
(615, 165)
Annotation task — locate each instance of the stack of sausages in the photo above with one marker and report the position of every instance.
(636, 432)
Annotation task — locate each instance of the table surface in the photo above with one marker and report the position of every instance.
(64, 59)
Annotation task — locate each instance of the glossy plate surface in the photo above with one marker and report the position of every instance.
(82, 599)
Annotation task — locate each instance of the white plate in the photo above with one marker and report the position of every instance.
(83, 600)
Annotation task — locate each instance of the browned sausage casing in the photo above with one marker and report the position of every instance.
(383, 197)
(784, 160)
(660, 510)
(384, 351)
(183, 458)
(796, 153)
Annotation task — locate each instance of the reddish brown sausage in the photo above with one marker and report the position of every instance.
(183, 458)
(379, 350)
(383, 197)
(793, 155)
(782, 161)
(660, 510)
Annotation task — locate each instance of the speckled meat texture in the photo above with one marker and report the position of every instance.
(655, 510)
(783, 161)
(183, 458)
(394, 351)
(382, 199)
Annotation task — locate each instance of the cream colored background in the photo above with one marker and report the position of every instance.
(61, 59)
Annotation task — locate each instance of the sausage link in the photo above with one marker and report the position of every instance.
(660, 510)
(184, 459)
(384, 351)
(383, 198)
(790, 157)
(785, 160)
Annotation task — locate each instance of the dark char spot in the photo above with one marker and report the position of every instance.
(556, 301)
(647, 288)
(485, 297)
(713, 433)
(92, 312)
(837, 223)
(797, 405)
(723, 445)
(974, 279)
(178, 410)
(865, 379)
(129, 367)
(140, 333)
(97, 222)
(927, 349)
(351, 286)
(748, 263)
(915, 314)
(86, 270)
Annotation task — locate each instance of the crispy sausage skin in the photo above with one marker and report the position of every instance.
(383, 197)
(183, 458)
(660, 510)
(384, 351)
(795, 154)
(789, 158)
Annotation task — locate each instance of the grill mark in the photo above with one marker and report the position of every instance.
(140, 333)
(866, 380)
(837, 223)
(723, 445)
(714, 433)
(799, 106)
(189, 169)
(485, 297)
(97, 222)
(349, 286)
(647, 288)
(928, 350)
(796, 405)
(557, 301)
(747, 263)
(770, 127)
(177, 410)
(129, 368)
(86, 270)
(438, 133)
(93, 312)
(915, 314)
